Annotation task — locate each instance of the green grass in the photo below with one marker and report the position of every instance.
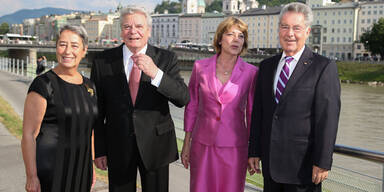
(357, 72)
(10, 119)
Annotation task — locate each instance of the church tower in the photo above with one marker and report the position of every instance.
(201, 6)
(190, 6)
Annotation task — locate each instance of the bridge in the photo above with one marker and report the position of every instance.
(186, 57)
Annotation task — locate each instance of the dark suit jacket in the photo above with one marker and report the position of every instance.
(300, 131)
(149, 119)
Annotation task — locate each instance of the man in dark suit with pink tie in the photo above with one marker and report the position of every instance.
(296, 110)
(134, 84)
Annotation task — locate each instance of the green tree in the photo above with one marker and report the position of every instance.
(373, 40)
(4, 28)
(216, 5)
(172, 7)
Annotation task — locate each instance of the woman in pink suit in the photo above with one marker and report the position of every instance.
(217, 118)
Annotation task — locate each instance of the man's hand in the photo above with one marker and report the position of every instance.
(254, 165)
(146, 64)
(319, 174)
(101, 162)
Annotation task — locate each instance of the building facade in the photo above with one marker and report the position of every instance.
(263, 26)
(165, 29)
(369, 13)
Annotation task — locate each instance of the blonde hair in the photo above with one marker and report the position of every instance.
(225, 26)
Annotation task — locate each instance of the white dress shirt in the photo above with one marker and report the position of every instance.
(292, 66)
(128, 64)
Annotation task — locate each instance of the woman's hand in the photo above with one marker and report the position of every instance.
(185, 154)
(33, 184)
(186, 150)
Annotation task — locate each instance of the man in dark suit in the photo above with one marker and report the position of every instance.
(296, 110)
(134, 83)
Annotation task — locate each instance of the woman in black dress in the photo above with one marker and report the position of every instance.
(59, 113)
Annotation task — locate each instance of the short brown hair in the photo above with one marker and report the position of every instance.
(225, 26)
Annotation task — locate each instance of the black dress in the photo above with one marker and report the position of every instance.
(63, 146)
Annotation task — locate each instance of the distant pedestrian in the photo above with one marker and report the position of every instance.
(41, 63)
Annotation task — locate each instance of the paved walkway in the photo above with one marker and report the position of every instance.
(12, 176)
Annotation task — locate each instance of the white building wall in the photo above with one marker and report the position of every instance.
(165, 29)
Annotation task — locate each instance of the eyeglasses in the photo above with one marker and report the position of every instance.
(296, 29)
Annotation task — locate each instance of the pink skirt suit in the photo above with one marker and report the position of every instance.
(218, 115)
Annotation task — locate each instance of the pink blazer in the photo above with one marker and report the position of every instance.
(220, 119)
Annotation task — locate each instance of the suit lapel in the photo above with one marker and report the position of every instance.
(273, 68)
(118, 69)
(301, 67)
(211, 75)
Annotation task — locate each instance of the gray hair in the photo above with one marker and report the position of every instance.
(79, 30)
(132, 10)
(298, 8)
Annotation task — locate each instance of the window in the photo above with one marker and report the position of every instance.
(325, 13)
(324, 39)
(324, 30)
(325, 22)
(345, 21)
(368, 21)
(363, 21)
(369, 12)
(338, 30)
(333, 22)
(344, 39)
(332, 39)
(333, 30)
(349, 39)
(338, 21)
(358, 46)
(337, 39)
(375, 12)
(344, 30)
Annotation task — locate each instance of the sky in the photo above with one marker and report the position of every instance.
(11, 6)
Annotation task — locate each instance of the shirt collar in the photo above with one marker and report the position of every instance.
(296, 57)
(128, 53)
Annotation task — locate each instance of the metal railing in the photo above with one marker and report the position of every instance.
(340, 178)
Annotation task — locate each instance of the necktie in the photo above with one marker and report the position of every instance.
(283, 79)
(134, 81)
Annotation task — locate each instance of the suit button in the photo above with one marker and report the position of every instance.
(276, 117)
(218, 118)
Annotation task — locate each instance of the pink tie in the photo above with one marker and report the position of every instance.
(134, 81)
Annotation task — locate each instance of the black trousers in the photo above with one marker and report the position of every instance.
(271, 186)
(125, 181)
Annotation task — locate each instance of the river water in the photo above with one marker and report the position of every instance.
(361, 125)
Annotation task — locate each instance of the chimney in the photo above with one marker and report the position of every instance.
(264, 7)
